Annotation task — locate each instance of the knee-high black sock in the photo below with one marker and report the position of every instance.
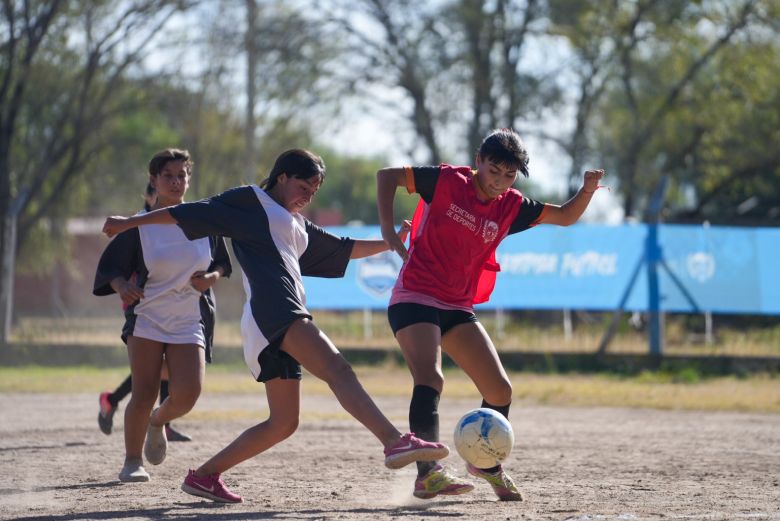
(504, 410)
(123, 390)
(424, 420)
(163, 390)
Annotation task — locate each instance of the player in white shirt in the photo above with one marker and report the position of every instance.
(163, 317)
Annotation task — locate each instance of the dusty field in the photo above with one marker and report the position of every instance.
(573, 463)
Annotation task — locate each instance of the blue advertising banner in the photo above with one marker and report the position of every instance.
(699, 268)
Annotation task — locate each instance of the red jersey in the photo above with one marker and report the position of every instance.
(455, 236)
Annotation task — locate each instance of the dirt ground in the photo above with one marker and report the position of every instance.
(572, 463)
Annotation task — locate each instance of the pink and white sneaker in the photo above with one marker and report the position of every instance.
(411, 448)
(211, 487)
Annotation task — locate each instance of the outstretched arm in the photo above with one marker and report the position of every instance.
(387, 181)
(366, 248)
(570, 211)
(117, 224)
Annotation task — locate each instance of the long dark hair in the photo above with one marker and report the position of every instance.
(297, 162)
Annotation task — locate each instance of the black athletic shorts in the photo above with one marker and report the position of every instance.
(275, 363)
(407, 313)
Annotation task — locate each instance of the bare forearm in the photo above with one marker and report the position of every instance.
(570, 211)
(115, 225)
(159, 216)
(366, 248)
(573, 209)
(387, 183)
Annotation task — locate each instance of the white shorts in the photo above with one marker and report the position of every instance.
(185, 332)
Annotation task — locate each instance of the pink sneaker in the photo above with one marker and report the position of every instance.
(211, 487)
(410, 449)
(106, 414)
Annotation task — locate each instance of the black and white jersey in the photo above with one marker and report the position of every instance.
(162, 260)
(275, 248)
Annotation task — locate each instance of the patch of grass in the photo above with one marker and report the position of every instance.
(517, 331)
(662, 390)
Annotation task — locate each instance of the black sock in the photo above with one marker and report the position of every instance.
(163, 392)
(504, 410)
(424, 420)
(123, 390)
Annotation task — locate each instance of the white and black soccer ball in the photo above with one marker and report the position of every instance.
(484, 438)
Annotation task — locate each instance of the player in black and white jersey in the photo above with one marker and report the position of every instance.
(276, 246)
(109, 400)
(162, 276)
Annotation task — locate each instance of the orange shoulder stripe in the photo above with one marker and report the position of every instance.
(410, 187)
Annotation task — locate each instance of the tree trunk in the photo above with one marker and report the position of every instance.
(251, 88)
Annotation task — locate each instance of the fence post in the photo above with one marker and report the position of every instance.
(8, 263)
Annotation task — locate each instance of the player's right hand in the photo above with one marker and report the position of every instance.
(114, 225)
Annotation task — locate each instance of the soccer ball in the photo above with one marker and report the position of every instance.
(484, 438)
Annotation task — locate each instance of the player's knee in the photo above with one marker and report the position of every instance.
(433, 379)
(181, 400)
(499, 394)
(284, 427)
(143, 397)
(339, 370)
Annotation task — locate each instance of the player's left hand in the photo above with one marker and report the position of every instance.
(403, 233)
(591, 180)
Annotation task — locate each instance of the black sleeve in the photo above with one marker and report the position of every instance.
(208, 314)
(530, 211)
(229, 214)
(220, 257)
(326, 255)
(121, 258)
(425, 178)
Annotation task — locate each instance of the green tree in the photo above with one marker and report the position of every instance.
(662, 54)
(62, 71)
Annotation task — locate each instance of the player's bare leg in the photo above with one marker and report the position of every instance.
(314, 350)
(145, 358)
(284, 402)
(186, 367)
(421, 346)
(470, 347)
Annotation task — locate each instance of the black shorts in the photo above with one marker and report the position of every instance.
(275, 363)
(407, 313)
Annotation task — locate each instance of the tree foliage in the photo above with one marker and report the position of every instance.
(673, 101)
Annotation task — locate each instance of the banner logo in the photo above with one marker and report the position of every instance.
(701, 266)
(376, 275)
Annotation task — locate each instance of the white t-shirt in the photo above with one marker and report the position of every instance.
(170, 309)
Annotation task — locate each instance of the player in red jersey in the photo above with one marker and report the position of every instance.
(450, 265)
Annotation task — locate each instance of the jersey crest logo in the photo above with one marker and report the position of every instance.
(489, 231)
(376, 275)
